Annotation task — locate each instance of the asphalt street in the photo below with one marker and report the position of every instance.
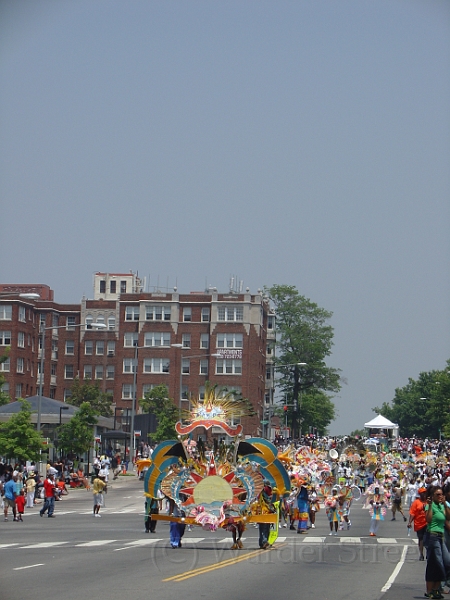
(76, 555)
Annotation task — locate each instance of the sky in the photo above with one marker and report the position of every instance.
(304, 143)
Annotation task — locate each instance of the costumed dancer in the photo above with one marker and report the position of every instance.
(301, 513)
(331, 507)
(314, 507)
(151, 508)
(377, 509)
(266, 502)
(176, 529)
(235, 527)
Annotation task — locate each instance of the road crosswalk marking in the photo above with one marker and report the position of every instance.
(95, 543)
(44, 545)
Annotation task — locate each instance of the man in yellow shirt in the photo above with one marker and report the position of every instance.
(98, 489)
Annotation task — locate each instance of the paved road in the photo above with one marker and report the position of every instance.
(112, 558)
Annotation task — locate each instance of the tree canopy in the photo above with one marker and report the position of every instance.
(18, 436)
(77, 435)
(421, 407)
(304, 335)
(87, 391)
(157, 402)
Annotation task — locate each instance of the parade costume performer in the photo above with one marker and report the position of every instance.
(223, 489)
(377, 507)
(301, 513)
(418, 517)
(331, 507)
(438, 557)
(151, 508)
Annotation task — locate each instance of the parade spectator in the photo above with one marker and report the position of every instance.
(417, 516)
(99, 487)
(49, 495)
(438, 557)
(20, 504)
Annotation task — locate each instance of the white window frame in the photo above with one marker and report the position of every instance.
(98, 371)
(87, 372)
(5, 312)
(22, 316)
(156, 365)
(230, 340)
(204, 365)
(230, 312)
(88, 344)
(71, 321)
(70, 347)
(127, 391)
(228, 366)
(157, 339)
(110, 371)
(204, 341)
(130, 339)
(5, 338)
(111, 323)
(20, 365)
(111, 348)
(157, 312)
(5, 367)
(100, 347)
(20, 339)
(187, 314)
(132, 313)
(186, 340)
(69, 371)
(185, 366)
(129, 365)
(19, 389)
(206, 314)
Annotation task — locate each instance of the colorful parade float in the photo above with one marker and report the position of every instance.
(221, 488)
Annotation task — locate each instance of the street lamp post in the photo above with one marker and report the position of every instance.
(61, 408)
(181, 347)
(42, 331)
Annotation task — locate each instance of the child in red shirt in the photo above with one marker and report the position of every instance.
(20, 504)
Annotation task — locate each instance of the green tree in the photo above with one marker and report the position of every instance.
(4, 397)
(18, 436)
(87, 391)
(157, 402)
(77, 435)
(304, 335)
(422, 407)
(317, 411)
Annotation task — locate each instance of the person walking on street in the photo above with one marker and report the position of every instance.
(98, 489)
(418, 517)
(9, 498)
(49, 495)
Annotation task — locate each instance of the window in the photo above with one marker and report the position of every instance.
(70, 347)
(19, 365)
(230, 340)
(186, 340)
(100, 348)
(187, 313)
(129, 365)
(22, 314)
(21, 339)
(205, 315)
(110, 371)
(132, 313)
(204, 340)
(89, 321)
(5, 388)
(230, 313)
(28, 340)
(185, 366)
(269, 371)
(87, 373)
(156, 365)
(53, 368)
(6, 312)
(157, 313)
(270, 322)
(5, 366)
(100, 319)
(269, 349)
(123, 287)
(18, 390)
(228, 367)
(146, 388)
(98, 371)
(130, 339)
(67, 395)
(111, 323)
(88, 347)
(111, 348)
(70, 323)
(55, 320)
(203, 367)
(127, 391)
(112, 287)
(102, 286)
(157, 338)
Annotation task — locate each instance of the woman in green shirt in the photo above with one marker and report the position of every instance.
(438, 557)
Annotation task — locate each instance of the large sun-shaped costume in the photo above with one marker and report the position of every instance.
(209, 488)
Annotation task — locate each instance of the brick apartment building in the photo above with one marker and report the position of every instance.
(180, 340)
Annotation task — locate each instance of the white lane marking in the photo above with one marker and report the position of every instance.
(95, 543)
(44, 545)
(28, 567)
(194, 540)
(143, 542)
(386, 540)
(350, 540)
(280, 539)
(314, 540)
(396, 571)
(7, 545)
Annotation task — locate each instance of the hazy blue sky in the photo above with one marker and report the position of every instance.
(300, 143)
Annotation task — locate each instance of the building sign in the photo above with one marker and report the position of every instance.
(229, 353)
(137, 433)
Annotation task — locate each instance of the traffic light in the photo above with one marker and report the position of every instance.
(285, 408)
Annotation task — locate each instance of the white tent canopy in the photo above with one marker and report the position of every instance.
(380, 422)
